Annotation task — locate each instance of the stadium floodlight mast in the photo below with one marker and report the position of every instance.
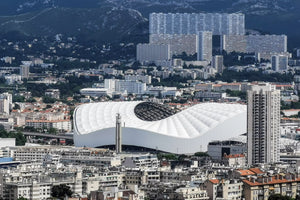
(118, 134)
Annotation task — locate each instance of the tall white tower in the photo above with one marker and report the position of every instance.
(204, 46)
(24, 71)
(263, 124)
(118, 134)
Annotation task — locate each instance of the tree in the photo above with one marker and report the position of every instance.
(47, 99)
(61, 191)
(279, 197)
(22, 198)
(201, 154)
(20, 138)
(16, 107)
(53, 131)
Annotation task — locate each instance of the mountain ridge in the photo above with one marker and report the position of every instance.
(271, 16)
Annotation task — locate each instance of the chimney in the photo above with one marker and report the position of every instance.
(270, 178)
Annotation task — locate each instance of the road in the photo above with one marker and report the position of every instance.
(68, 137)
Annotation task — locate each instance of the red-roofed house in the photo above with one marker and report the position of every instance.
(262, 187)
(235, 160)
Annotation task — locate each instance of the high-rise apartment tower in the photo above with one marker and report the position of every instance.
(263, 124)
(204, 46)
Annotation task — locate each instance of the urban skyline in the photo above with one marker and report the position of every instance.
(147, 100)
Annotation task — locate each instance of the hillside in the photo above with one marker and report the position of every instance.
(100, 24)
(108, 20)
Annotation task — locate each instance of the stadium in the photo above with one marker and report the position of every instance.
(155, 126)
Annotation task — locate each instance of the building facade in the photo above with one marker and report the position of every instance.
(266, 45)
(179, 43)
(263, 129)
(152, 52)
(192, 23)
(280, 62)
(217, 63)
(5, 103)
(205, 46)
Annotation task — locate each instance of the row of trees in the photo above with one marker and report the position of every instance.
(57, 192)
(20, 138)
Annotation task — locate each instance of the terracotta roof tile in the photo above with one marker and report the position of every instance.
(246, 172)
(256, 170)
(214, 181)
(274, 180)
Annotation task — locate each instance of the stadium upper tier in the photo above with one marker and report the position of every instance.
(155, 126)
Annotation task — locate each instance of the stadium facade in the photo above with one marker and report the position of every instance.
(155, 126)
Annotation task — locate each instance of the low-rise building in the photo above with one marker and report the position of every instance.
(61, 125)
(235, 160)
(189, 193)
(262, 187)
(224, 189)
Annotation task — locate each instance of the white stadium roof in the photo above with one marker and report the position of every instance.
(187, 131)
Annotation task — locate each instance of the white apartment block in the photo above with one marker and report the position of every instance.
(143, 78)
(266, 45)
(62, 125)
(218, 63)
(13, 78)
(205, 46)
(95, 92)
(141, 161)
(35, 183)
(7, 142)
(152, 52)
(5, 103)
(192, 193)
(103, 180)
(192, 23)
(163, 91)
(224, 189)
(263, 124)
(66, 155)
(280, 62)
(179, 43)
(24, 71)
(123, 86)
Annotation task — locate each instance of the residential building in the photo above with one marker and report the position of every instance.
(192, 23)
(24, 71)
(204, 46)
(13, 78)
(224, 189)
(143, 78)
(124, 86)
(280, 62)
(235, 160)
(262, 187)
(53, 93)
(265, 45)
(217, 63)
(61, 125)
(147, 53)
(179, 43)
(209, 95)
(115, 193)
(5, 103)
(95, 92)
(35, 183)
(191, 193)
(263, 130)
(141, 161)
(218, 149)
